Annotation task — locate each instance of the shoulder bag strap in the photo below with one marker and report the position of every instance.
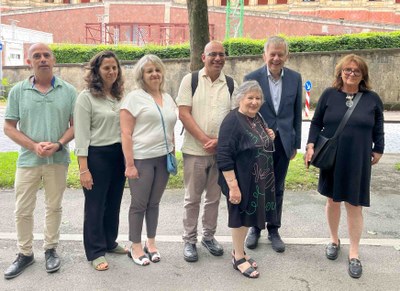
(163, 125)
(347, 115)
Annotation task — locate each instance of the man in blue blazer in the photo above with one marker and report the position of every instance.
(282, 110)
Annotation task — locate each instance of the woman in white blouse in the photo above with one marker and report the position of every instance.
(100, 156)
(145, 151)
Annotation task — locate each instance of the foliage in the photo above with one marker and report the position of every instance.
(6, 87)
(78, 53)
(397, 166)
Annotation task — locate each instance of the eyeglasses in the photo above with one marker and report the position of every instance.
(215, 54)
(348, 71)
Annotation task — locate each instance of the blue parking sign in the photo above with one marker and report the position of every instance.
(1, 46)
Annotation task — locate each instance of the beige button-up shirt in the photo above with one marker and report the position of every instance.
(210, 104)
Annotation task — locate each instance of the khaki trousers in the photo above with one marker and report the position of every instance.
(200, 174)
(27, 183)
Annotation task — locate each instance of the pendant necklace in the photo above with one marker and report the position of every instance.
(349, 100)
(112, 102)
(251, 122)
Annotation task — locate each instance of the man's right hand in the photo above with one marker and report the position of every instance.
(45, 149)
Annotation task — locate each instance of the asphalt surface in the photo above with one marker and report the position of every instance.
(302, 266)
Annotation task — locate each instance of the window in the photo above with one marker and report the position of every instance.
(262, 2)
(281, 1)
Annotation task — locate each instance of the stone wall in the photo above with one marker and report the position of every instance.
(316, 67)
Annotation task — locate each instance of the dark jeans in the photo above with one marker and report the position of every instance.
(102, 203)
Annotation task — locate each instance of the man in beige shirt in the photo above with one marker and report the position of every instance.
(201, 114)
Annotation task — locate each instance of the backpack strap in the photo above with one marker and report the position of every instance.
(231, 85)
(195, 82)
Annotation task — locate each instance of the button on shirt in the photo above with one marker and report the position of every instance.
(276, 90)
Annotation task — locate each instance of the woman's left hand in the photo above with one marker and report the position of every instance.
(235, 196)
(375, 157)
(271, 133)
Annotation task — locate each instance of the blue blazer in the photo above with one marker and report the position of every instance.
(289, 116)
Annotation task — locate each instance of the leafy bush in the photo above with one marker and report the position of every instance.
(6, 87)
(78, 53)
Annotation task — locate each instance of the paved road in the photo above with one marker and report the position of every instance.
(302, 267)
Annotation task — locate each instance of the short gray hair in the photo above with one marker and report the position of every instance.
(138, 70)
(246, 87)
(276, 40)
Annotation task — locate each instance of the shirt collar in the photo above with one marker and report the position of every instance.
(33, 81)
(270, 75)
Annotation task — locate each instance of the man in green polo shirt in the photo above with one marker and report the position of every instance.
(39, 118)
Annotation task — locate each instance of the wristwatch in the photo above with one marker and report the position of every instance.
(60, 146)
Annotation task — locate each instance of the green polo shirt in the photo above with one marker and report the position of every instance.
(42, 117)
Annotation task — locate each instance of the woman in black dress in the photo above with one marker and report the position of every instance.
(244, 158)
(360, 145)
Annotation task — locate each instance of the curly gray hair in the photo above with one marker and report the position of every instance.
(246, 87)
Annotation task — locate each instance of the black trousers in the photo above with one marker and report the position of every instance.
(102, 203)
(281, 165)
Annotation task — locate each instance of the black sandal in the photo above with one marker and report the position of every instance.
(250, 260)
(247, 273)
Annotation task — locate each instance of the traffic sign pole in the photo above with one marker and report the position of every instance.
(307, 86)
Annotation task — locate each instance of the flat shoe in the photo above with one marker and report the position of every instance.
(119, 249)
(100, 264)
(155, 257)
(332, 250)
(248, 272)
(355, 268)
(141, 261)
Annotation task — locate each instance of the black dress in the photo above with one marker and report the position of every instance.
(245, 147)
(349, 179)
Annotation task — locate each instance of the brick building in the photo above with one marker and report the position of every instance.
(165, 21)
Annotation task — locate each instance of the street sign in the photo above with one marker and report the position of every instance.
(308, 86)
(1, 46)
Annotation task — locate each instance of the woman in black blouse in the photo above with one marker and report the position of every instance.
(244, 158)
(360, 145)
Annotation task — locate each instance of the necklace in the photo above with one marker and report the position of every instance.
(252, 123)
(112, 102)
(349, 100)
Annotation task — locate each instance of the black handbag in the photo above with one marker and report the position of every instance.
(325, 148)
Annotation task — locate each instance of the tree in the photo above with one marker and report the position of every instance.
(199, 31)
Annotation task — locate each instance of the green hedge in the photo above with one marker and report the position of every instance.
(77, 53)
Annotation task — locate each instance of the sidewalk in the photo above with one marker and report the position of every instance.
(302, 266)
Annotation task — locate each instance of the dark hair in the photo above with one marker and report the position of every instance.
(362, 65)
(93, 78)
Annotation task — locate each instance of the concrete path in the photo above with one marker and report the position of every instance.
(302, 267)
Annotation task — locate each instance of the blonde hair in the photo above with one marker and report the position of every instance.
(138, 70)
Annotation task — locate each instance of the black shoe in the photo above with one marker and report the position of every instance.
(53, 263)
(213, 247)
(252, 238)
(332, 250)
(18, 266)
(355, 268)
(190, 252)
(277, 244)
